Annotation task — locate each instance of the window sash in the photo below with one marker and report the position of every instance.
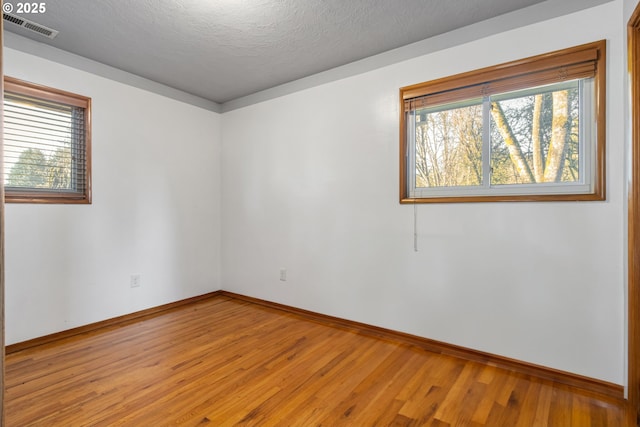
(587, 124)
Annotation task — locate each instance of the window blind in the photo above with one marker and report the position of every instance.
(580, 63)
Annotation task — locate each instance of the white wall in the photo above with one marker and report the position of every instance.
(155, 212)
(629, 7)
(310, 183)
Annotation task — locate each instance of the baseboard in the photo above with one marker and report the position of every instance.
(13, 348)
(588, 384)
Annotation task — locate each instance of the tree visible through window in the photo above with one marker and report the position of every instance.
(47, 147)
(531, 130)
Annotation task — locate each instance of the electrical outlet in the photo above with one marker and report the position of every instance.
(135, 280)
(283, 274)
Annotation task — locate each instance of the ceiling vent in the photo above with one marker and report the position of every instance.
(30, 25)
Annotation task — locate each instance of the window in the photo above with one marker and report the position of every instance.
(47, 144)
(532, 129)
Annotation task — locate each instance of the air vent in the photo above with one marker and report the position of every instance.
(30, 25)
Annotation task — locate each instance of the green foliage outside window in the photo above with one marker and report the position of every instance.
(35, 170)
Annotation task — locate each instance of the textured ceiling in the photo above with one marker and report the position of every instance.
(225, 49)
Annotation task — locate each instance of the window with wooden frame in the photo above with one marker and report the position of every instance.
(532, 129)
(47, 144)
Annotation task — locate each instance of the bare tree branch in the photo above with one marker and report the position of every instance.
(538, 156)
(555, 156)
(515, 152)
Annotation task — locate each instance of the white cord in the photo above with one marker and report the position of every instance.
(415, 227)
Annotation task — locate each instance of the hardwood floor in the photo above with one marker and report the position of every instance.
(224, 362)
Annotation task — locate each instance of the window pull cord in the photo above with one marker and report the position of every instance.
(415, 227)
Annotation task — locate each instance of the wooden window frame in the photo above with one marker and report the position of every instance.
(21, 87)
(582, 61)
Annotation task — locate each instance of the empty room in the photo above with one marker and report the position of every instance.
(324, 213)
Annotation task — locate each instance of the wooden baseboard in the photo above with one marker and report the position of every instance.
(588, 384)
(127, 318)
